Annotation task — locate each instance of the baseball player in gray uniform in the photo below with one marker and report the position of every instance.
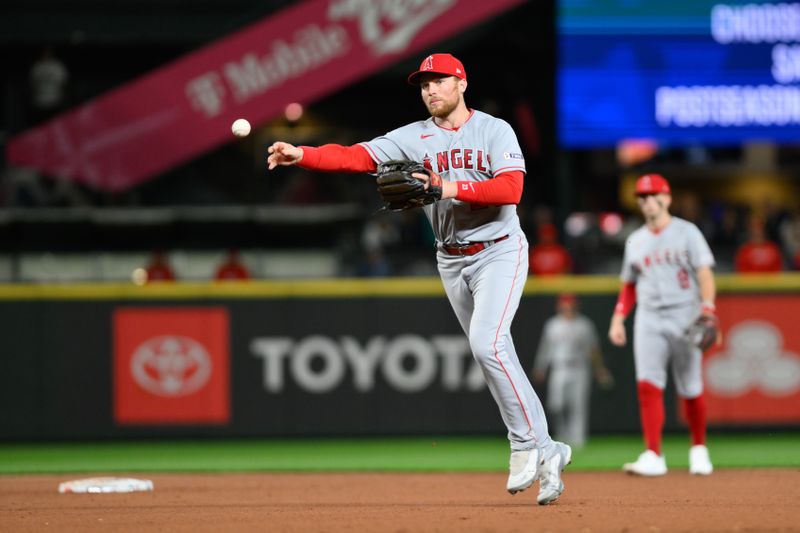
(482, 254)
(569, 350)
(667, 272)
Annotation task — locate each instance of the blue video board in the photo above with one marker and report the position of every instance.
(679, 72)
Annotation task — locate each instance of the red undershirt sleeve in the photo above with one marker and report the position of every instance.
(503, 189)
(337, 158)
(627, 299)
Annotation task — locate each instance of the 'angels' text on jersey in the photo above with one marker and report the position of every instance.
(467, 158)
(664, 264)
(483, 147)
(678, 257)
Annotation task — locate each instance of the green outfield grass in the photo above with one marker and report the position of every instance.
(417, 454)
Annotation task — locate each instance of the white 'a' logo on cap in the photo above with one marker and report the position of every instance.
(428, 63)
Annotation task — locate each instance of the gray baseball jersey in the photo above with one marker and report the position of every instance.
(566, 348)
(482, 148)
(664, 267)
(484, 289)
(566, 343)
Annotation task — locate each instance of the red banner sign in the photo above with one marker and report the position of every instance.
(131, 134)
(171, 366)
(754, 377)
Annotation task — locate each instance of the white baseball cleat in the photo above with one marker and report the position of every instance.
(550, 484)
(699, 461)
(649, 463)
(523, 467)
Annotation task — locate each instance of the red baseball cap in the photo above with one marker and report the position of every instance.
(652, 184)
(440, 64)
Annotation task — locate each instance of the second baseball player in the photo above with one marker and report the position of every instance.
(667, 273)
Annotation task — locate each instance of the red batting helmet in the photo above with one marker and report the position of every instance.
(440, 64)
(652, 184)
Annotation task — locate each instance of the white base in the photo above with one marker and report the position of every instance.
(103, 485)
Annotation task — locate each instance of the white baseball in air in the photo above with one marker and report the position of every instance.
(240, 127)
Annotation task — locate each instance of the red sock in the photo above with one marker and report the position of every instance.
(695, 409)
(651, 411)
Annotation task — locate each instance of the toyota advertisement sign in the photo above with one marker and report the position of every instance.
(171, 366)
(335, 366)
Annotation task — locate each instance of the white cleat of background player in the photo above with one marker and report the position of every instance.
(699, 461)
(648, 464)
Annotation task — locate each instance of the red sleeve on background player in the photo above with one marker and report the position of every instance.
(335, 157)
(627, 298)
(503, 189)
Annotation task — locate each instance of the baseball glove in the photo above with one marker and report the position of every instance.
(704, 331)
(400, 190)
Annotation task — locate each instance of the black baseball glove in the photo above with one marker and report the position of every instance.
(400, 190)
(704, 331)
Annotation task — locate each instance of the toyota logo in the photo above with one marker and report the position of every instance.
(171, 366)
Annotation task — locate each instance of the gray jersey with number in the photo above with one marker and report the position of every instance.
(567, 343)
(479, 150)
(664, 267)
(664, 264)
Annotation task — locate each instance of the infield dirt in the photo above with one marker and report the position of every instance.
(729, 500)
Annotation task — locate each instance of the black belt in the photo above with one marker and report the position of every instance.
(470, 248)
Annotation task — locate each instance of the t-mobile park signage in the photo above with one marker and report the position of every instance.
(185, 108)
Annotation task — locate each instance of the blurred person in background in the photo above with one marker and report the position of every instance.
(689, 207)
(790, 239)
(159, 269)
(232, 268)
(569, 352)
(727, 225)
(47, 78)
(375, 264)
(667, 273)
(757, 253)
(380, 233)
(773, 217)
(548, 257)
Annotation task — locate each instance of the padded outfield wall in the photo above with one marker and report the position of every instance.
(342, 357)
